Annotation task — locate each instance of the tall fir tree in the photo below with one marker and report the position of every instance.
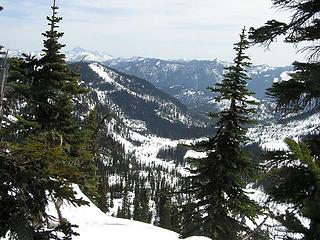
(44, 149)
(141, 204)
(294, 174)
(218, 181)
(55, 85)
(164, 214)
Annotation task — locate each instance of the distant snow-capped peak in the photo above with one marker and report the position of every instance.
(80, 54)
(18, 53)
(75, 55)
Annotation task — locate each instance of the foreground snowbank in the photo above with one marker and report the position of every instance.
(94, 224)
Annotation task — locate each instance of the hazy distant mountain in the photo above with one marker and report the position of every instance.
(188, 80)
(77, 54)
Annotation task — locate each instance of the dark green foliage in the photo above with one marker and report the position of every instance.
(303, 90)
(191, 221)
(294, 178)
(303, 25)
(141, 205)
(175, 217)
(54, 84)
(102, 199)
(218, 180)
(173, 154)
(29, 180)
(46, 150)
(125, 211)
(164, 211)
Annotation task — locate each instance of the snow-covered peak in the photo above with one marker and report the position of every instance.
(79, 54)
(18, 53)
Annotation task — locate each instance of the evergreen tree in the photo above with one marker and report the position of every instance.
(126, 205)
(219, 179)
(103, 201)
(111, 200)
(297, 181)
(120, 213)
(164, 211)
(141, 205)
(136, 204)
(45, 150)
(175, 218)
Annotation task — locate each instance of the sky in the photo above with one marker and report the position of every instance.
(167, 29)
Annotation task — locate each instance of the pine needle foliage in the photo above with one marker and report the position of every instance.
(294, 179)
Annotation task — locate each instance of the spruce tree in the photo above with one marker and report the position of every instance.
(141, 205)
(45, 149)
(164, 211)
(55, 85)
(218, 181)
(126, 205)
(137, 213)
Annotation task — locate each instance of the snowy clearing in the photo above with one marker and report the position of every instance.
(94, 224)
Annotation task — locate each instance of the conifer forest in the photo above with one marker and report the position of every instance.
(99, 147)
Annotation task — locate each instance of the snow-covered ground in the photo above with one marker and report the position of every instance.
(275, 229)
(272, 136)
(94, 224)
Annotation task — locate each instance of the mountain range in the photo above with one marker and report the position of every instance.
(170, 97)
(154, 109)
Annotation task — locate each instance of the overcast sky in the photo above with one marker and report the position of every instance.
(168, 29)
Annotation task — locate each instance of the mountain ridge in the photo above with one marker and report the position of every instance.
(135, 99)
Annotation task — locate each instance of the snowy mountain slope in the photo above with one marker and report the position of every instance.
(271, 136)
(137, 100)
(146, 147)
(188, 80)
(18, 53)
(94, 224)
(272, 226)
